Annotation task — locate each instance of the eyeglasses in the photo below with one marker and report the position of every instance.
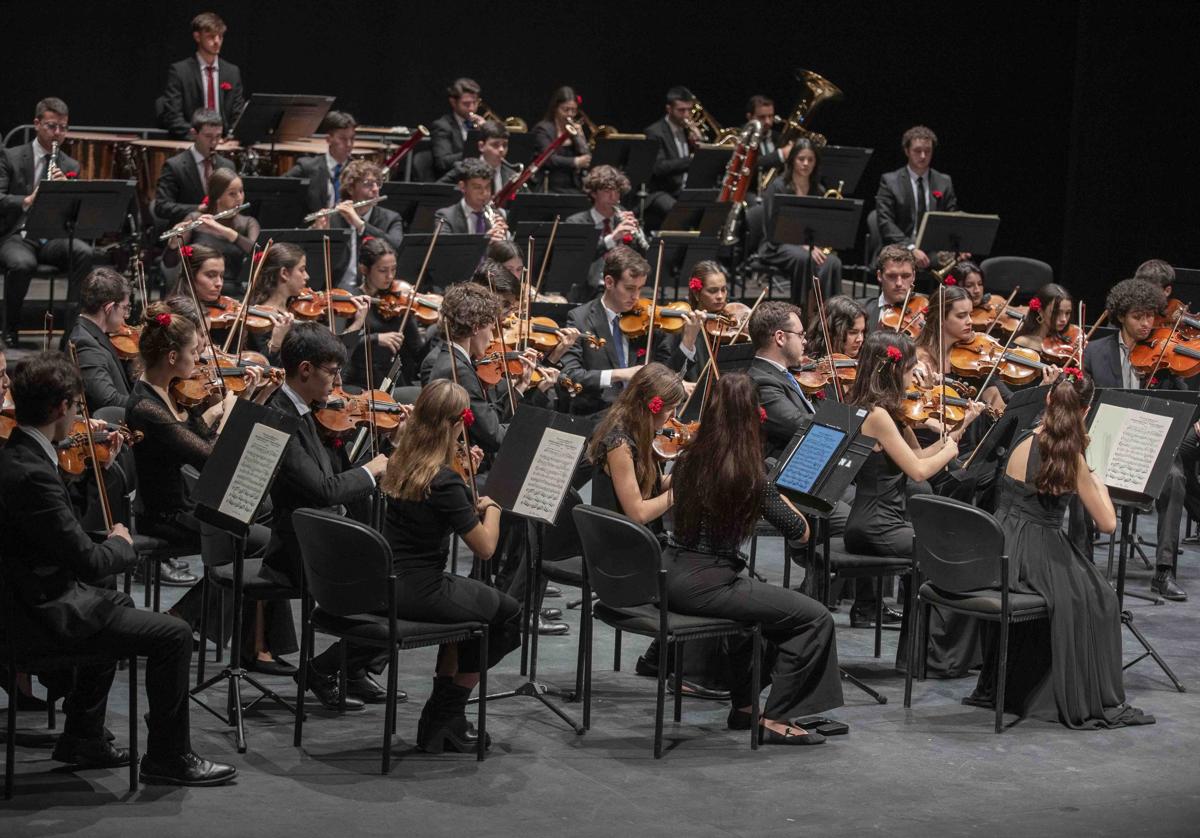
(791, 332)
(55, 127)
(332, 373)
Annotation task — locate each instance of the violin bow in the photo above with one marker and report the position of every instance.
(546, 256)
(466, 434)
(512, 402)
(996, 317)
(741, 330)
(823, 320)
(416, 286)
(236, 329)
(1000, 358)
(1162, 353)
(328, 284)
(941, 339)
(900, 324)
(97, 470)
(1083, 344)
(654, 306)
(48, 323)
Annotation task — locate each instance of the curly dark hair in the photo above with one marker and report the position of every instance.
(468, 307)
(1134, 295)
(605, 177)
(840, 313)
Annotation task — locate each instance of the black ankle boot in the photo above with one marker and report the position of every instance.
(447, 728)
(430, 710)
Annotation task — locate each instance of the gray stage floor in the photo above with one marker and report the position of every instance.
(935, 769)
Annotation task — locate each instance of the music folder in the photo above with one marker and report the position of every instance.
(533, 470)
(823, 458)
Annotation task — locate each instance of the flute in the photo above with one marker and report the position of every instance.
(188, 226)
(366, 202)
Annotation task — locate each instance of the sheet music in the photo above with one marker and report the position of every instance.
(250, 480)
(1128, 444)
(549, 475)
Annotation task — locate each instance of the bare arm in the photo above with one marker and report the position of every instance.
(916, 462)
(620, 467)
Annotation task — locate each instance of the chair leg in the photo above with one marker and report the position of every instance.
(583, 639)
(157, 568)
(134, 721)
(678, 681)
(146, 569)
(923, 646)
(204, 599)
(10, 753)
(617, 651)
(483, 682)
(1001, 675)
(587, 666)
(660, 701)
(302, 681)
(879, 615)
(389, 714)
(910, 611)
(755, 684)
(51, 710)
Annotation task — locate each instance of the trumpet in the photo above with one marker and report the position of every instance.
(366, 202)
(512, 123)
(188, 226)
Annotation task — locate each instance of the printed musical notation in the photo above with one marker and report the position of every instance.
(245, 492)
(1125, 445)
(549, 475)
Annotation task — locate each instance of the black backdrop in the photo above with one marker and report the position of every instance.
(1074, 124)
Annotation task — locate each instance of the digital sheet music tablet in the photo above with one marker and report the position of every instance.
(810, 458)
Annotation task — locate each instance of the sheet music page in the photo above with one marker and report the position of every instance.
(1106, 427)
(245, 492)
(1136, 450)
(549, 475)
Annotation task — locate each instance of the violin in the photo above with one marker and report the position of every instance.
(393, 303)
(1188, 328)
(125, 341)
(814, 375)
(74, 453)
(728, 322)
(206, 382)
(541, 333)
(490, 367)
(224, 311)
(313, 305)
(910, 320)
(344, 412)
(993, 308)
(673, 437)
(975, 358)
(945, 404)
(635, 323)
(1061, 347)
(1181, 356)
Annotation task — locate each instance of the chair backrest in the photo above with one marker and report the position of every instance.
(1001, 274)
(622, 557)
(346, 564)
(561, 541)
(874, 241)
(406, 393)
(958, 547)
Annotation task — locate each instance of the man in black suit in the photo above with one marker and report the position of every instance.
(493, 149)
(104, 305)
(449, 132)
(676, 144)
(205, 80)
(324, 171)
(771, 155)
(605, 185)
(360, 182)
(1132, 305)
(21, 170)
(57, 575)
(777, 332)
(183, 182)
(895, 272)
(471, 214)
(906, 194)
(309, 475)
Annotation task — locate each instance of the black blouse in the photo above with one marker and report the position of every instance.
(419, 531)
(604, 493)
(168, 444)
(773, 510)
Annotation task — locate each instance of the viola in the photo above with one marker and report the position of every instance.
(491, 366)
(125, 341)
(993, 308)
(313, 305)
(1180, 356)
(541, 333)
(946, 405)
(344, 412)
(975, 358)
(229, 373)
(815, 375)
(1061, 347)
(910, 320)
(74, 453)
(224, 311)
(673, 437)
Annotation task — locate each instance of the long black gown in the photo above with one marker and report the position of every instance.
(1068, 669)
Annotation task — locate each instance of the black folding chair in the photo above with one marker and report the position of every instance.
(1004, 273)
(624, 564)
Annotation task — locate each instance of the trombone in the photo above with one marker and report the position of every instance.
(512, 123)
(708, 129)
(596, 132)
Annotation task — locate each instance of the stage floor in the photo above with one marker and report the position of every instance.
(937, 768)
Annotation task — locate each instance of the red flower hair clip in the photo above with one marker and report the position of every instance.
(894, 354)
(163, 319)
(762, 415)
(695, 284)
(203, 202)
(1035, 304)
(937, 194)
(655, 405)
(186, 251)
(468, 417)
(1072, 373)
(258, 256)
(226, 86)
(70, 175)
(368, 239)
(1153, 381)
(951, 281)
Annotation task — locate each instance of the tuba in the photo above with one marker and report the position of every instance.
(709, 129)
(795, 127)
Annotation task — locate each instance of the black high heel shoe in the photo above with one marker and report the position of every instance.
(766, 736)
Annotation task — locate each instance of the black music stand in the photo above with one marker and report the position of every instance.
(75, 209)
(633, 154)
(313, 244)
(845, 163)
(454, 259)
(812, 221)
(544, 206)
(733, 358)
(276, 201)
(530, 478)
(699, 210)
(574, 250)
(280, 118)
(1167, 422)
(708, 166)
(957, 232)
(235, 480)
(417, 202)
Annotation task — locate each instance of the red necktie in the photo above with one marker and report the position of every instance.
(212, 90)
(207, 171)
(607, 227)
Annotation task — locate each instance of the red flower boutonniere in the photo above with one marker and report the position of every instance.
(227, 86)
(1154, 382)
(695, 284)
(578, 99)
(819, 395)
(937, 195)
(186, 251)
(626, 239)
(655, 405)
(338, 443)
(71, 175)
(163, 319)
(1035, 304)
(641, 352)
(468, 417)
(762, 415)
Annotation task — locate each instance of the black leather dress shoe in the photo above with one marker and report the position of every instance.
(370, 690)
(89, 753)
(1165, 586)
(185, 770)
(325, 688)
(865, 617)
(173, 577)
(552, 591)
(275, 666)
(547, 627)
(551, 613)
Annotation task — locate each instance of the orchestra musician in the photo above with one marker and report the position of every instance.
(777, 332)
(907, 193)
(324, 171)
(376, 276)
(22, 168)
(204, 80)
(448, 133)
(1048, 317)
(708, 292)
(677, 141)
(360, 182)
(232, 237)
(771, 155)
(184, 177)
(605, 185)
(104, 305)
(564, 170)
(968, 276)
(895, 271)
(493, 150)
(490, 275)
(847, 323)
(473, 212)
(60, 579)
(950, 324)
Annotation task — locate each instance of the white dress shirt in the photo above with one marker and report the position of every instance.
(216, 76)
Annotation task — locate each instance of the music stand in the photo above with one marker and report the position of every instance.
(732, 358)
(698, 210)
(845, 163)
(633, 154)
(417, 202)
(957, 232)
(530, 478)
(280, 118)
(812, 221)
(75, 209)
(276, 201)
(455, 258)
(236, 478)
(313, 244)
(544, 206)
(574, 250)
(1187, 286)
(708, 166)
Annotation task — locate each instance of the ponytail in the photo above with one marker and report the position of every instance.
(1064, 436)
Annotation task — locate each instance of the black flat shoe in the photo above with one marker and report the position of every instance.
(865, 617)
(771, 737)
(185, 770)
(89, 753)
(275, 666)
(370, 690)
(645, 667)
(325, 688)
(691, 690)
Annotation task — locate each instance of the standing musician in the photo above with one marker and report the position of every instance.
(800, 177)
(203, 81)
(309, 476)
(59, 578)
(232, 237)
(907, 193)
(21, 170)
(360, 182)
(1049, 317)
(896, 271)
(104, 305)
(847, 322)
(564, 170)
(183, 182)
(324, 171)
(473, 212)
(448, 133)
(493, 149)
(677, 141)
(376, 276)
(605, 185)
(771, 155)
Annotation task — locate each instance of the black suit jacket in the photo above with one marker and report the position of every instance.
(447, 141)
(319, 183)
(49, 561)
(106, 381)
(457, 221)
(491, 416)
(560, 169)
(767, 160)
(186, 92)
(308, 476)
(180, 189)
(871, 306)
(507, 173)
(16, 181)
(383, 223)
(788, 410)
(669, 167)
(896, 208)
(1102, 361)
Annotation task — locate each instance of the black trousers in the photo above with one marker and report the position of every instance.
(166, 643)
(802, 649)
(19, 259)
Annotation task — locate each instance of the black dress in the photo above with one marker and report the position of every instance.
(707, 579)
(1068, 669)
(234, 252)
(793, 259)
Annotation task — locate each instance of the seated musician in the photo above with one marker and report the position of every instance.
(800, 177)
(493, 150)
(104, 305)
(309, 476)
(771, 155)
(564, 170)
(183, 182)
(708, 293)
(376, 277)
(22, 168)
(507, 254)
(847, 324)
(324, 171)
(1049, 317)
(204, 80)
(232, 237)
(950, 325)
(907, 193)
(360, 182)
(677, 141)
(605, 185)
(777, 332)
(474, 213)
(1159, 272)
(206, 267)
(57, 575)
(968, 276)
(895, 271)
(1133, 305)
(448, 133)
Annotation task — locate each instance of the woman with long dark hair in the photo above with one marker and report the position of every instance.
(376, 274)
(947, 323)
(566, 165)
(847, 324)
(232, 237)
(1048, 317)
(1068, 669)
(722, 491)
